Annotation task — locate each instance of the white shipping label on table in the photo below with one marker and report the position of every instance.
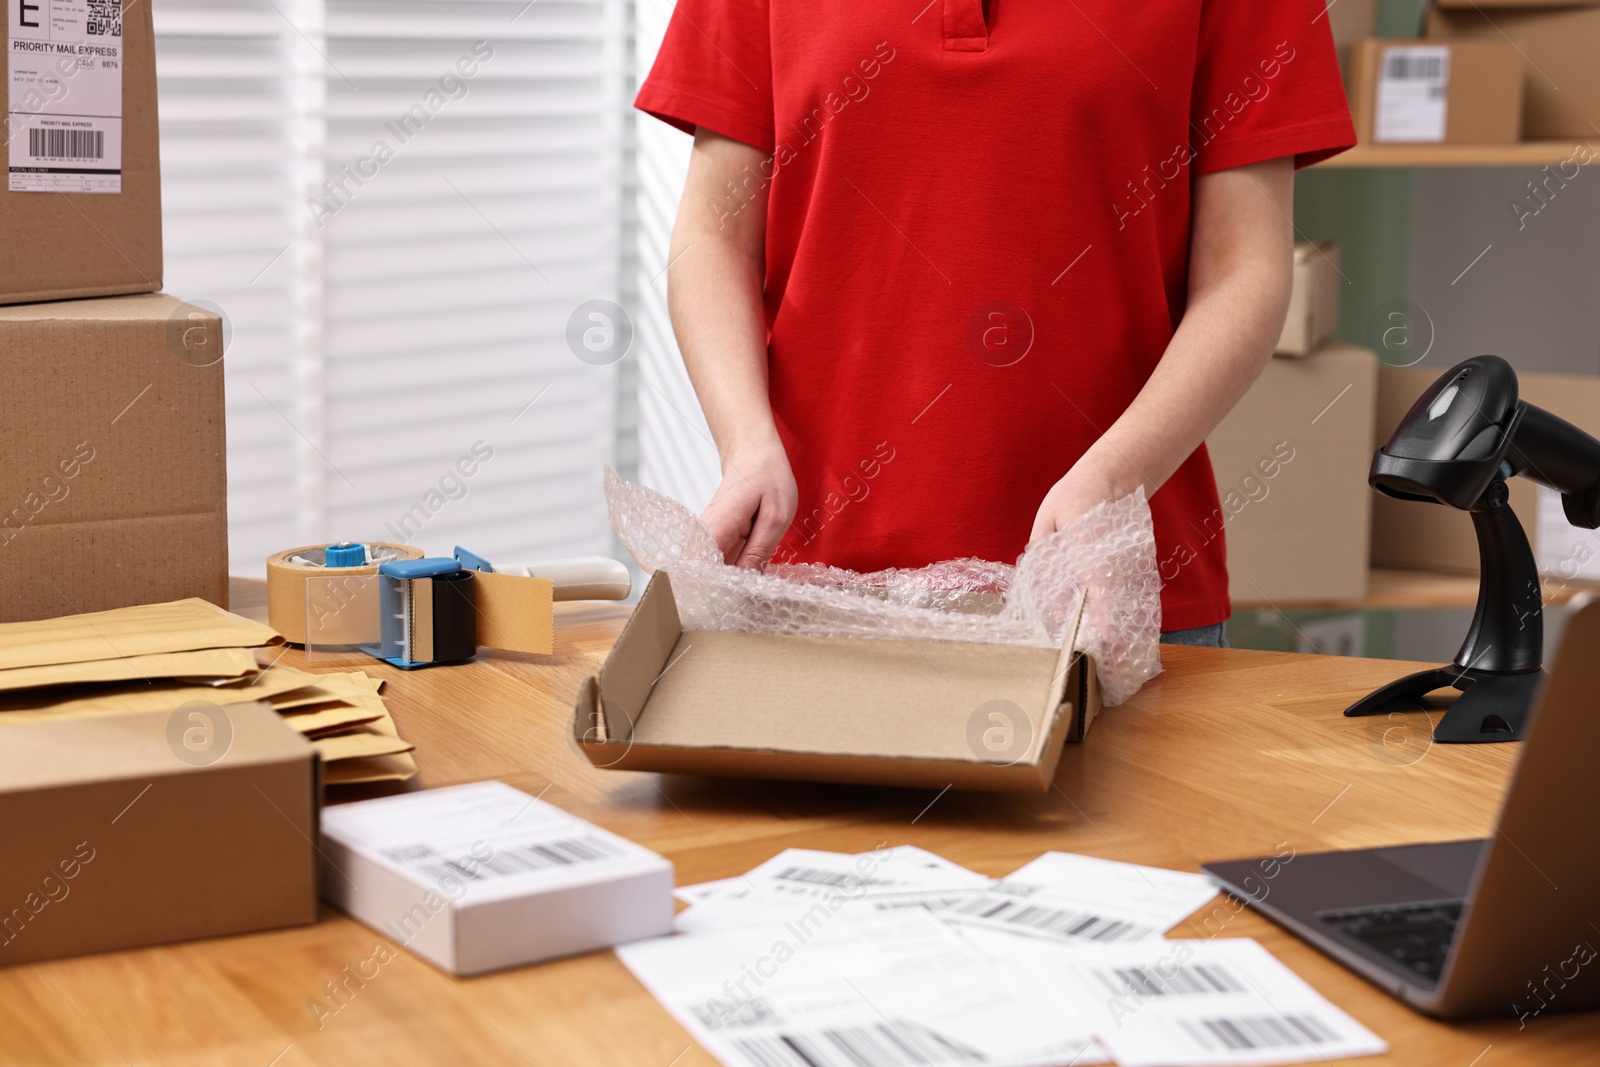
(1202, 1004)
(856, 990)
(1413, 94)
(64, 63)
(1070, 898)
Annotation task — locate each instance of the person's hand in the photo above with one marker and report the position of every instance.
(1084, 486)
(753, 507)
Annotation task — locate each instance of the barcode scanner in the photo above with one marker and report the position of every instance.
(1458, 445)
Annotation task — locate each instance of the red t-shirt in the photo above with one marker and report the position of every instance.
(978, 241)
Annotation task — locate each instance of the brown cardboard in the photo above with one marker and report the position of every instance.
(1314, 300)
(1484, 98)
(830, 709)
(112, 841)
(59, 246)
(1351, 22)
(114, 486)
(1560, 77)
(515, 613)
(1291, 464)
(1416, 535)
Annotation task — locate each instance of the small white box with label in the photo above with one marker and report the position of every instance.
(481, 877)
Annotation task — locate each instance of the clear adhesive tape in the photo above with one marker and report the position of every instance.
(294, 574)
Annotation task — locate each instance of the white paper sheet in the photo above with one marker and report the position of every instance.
(864, 988)
(1200, 1003)
(1066, 897)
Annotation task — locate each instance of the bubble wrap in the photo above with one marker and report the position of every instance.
(1110, 551)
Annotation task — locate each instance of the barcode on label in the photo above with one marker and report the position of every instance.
(818, 876)
(1260, 1032)
(1403, 66)
(1059, 922)
(902, 1044)
(508, 859)
(1190, 980)
(66, 144)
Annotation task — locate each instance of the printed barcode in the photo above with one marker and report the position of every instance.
(66, 144)
(1402, 66)
(902, 1044)
(512, 859)
(1061, 922)
(1260, 1032)
(1190, 980)
(817, 876)
(105, 18)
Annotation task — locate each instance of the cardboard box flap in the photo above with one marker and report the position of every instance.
(641, 653)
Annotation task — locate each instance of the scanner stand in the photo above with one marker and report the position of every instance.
(1498, 667)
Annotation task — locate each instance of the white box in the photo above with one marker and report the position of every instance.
(479, 877)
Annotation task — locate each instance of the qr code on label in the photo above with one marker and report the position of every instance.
(105, 18)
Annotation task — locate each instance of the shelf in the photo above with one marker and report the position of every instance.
(1399, 590)
(1524, 154)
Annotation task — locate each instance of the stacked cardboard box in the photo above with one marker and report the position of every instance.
(1436, 91)
(114, 486)
(1291, 458)
(1555, 43)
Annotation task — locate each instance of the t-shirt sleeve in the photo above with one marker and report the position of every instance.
(715, 70)
(1267, 85)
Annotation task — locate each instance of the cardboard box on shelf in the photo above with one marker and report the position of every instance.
(933, 714)
(1436, 92)
(152, 827)
(1291, 465)
(1351, 22)
(1415, 535)
(481, 877)
(114, 487)
(1556, 46)
(81, 208)
(1314, 301)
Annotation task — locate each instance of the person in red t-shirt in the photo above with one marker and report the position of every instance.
(947, 276)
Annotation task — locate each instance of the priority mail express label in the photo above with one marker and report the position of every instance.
(64, 110)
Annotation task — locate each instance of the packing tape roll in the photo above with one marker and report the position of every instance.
(288, 575)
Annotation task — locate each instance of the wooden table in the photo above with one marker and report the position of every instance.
(1226, 754)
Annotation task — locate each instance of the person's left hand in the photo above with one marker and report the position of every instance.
(1084, 486)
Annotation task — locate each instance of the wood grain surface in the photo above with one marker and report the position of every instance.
(1227, 754)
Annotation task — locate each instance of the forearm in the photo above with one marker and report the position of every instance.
(1220, 348)
(1241, 269)
(714, 295)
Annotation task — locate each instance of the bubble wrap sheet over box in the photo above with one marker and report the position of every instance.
(1110, 551)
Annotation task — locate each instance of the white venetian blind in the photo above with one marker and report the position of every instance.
(476, 150)
(227, 114)
(676, 453)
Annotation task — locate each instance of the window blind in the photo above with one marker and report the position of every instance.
(437, 186)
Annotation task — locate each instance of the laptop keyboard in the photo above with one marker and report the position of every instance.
(1416, 936)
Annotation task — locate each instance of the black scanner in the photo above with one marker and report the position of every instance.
(1458, 445)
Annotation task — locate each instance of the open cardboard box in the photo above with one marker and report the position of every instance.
(929, 713)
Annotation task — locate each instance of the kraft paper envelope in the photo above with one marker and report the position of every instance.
(178, 626)
(368, 769)
(37, 704)
(322, 719)
(360, 742)
(212, 662)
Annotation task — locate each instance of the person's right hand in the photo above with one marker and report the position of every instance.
(753, 507)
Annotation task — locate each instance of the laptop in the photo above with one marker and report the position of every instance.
(1509, 925)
